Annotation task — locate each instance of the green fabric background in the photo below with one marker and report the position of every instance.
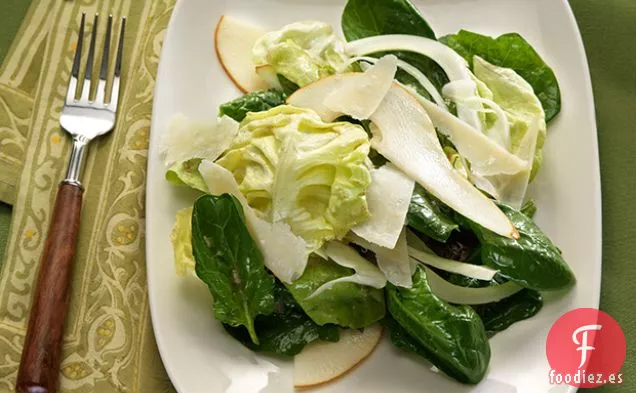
(609, 30)
(11, 14)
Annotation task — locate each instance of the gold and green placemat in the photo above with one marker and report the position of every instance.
(109, 345)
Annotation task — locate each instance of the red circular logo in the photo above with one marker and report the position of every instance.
(586, 348)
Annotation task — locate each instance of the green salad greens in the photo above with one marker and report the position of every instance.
(332, 177)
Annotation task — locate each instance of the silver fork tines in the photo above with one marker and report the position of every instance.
(101, 98)
(86, 118)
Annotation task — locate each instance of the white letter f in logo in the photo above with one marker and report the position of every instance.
(584, 348)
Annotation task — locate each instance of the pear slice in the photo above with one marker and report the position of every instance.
(233, 41)
(321, 361)
(404, 134)
(357, 94)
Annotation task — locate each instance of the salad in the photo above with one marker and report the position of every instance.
(368, 184)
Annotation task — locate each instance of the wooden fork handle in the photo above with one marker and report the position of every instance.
(41, 356)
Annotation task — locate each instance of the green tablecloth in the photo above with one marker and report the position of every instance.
(609, 29)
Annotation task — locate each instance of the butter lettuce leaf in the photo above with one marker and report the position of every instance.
(181, 238)
(186, 173)
(519, 102)
(346, 304)
(293, 167)
(301, 52)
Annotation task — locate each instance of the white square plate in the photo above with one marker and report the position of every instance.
(196, 352)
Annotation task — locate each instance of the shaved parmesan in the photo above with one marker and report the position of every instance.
(187, 139)
(452, 63)
(465, 295)
(312, 96)
(285, 254)
(388, 198)
(394, 263)
(360, 97)
(366, 273)
(404, 134)
(465, 269)
(486, 156)
(461, 93)
(414, 72)
(511, 189)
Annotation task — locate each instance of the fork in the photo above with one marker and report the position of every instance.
(84, 119)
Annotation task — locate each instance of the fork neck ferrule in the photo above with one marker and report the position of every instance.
(76, 163)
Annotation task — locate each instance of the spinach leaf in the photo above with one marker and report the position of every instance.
(453, 338)
(512, 51)
(286, 331)
(531, 261)
(529, 208)
(427, 66)
(500, 315)
(462, 245)
(257, 101)
(426, 215)
(346, 304)
(229, 263)
(366, 18)
(402, 339)
(288, 86)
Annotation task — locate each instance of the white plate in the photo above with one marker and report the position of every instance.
(196, 352)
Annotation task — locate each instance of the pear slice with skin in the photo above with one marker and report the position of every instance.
(233, 40)
(322, 361)
(404, 134)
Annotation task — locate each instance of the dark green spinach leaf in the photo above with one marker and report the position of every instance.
(287, 330)
(229, 263)
(257, 101)
(366, 18)
(529, 208)
(402, 339)
(453, 338)
(426, 215)
(346, 304)
(512, 51)
(288, 86)
(531, 261)
(500, 315)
